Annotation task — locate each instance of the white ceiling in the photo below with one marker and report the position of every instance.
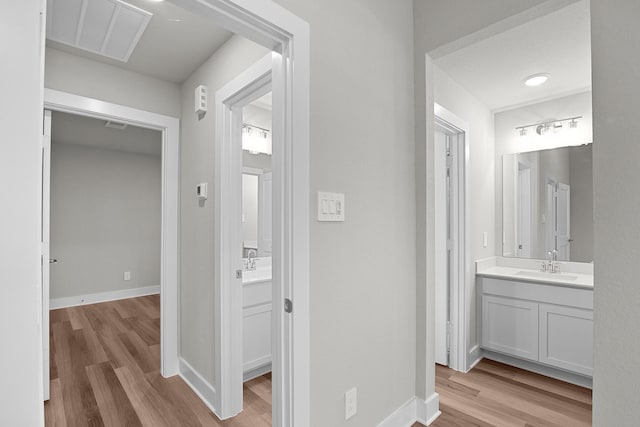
(493, 69)
(90, 132)
(168, 49)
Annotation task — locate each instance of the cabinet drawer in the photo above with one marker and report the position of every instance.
(510, 326)
(256, 293)
(566, 338)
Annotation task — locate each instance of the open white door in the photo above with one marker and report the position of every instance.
(563, 227)
(46, 194)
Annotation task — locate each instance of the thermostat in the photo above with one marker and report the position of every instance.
(201, 191)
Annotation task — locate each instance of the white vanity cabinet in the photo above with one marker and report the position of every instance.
(566, 338)
(510, 326)
(543, 323)
(256, 319)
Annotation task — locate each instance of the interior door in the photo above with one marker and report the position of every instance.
(563, 227)
(46, 194)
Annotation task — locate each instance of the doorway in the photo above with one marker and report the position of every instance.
(169, 127)
(452, 272)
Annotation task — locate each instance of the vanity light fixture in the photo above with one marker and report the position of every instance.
(556, 126)
(255, 139)
(536, 79)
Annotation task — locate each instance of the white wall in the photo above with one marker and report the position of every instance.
(20, 165)
(105, 219)
(197, 222)
(362, 270)
(82, 76)
(479, 118)
(616, 105)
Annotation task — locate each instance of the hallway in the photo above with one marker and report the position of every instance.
(105, 361)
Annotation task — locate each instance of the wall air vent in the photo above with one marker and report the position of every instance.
(115, 125)
(111, 28)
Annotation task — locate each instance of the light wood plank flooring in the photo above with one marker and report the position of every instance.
(105, 361)
(494, 394)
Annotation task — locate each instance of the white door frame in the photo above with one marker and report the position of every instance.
(170, 128)
(229, 102)
(460, 303)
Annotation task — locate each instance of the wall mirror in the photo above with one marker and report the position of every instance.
(548, 204)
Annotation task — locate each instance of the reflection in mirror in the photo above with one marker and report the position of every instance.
(547, 204)
(256, 179)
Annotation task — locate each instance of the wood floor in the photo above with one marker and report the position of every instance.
(105, 361)
(493, 394)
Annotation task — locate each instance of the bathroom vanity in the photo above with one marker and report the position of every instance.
(256, 318)
(535, 319)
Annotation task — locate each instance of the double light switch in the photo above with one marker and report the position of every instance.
(330, 206)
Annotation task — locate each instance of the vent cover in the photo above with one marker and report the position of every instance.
(111, 28)
(116, 125)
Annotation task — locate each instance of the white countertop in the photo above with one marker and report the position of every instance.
(572, 274)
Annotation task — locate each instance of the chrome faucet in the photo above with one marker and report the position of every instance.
(251, 261)
(553, 265)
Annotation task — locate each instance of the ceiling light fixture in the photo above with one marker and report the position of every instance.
(536, 79)
(556, 126)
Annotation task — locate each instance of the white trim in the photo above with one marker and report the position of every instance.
(229, 100)
(205, 391)
(414, 410)
(170, 128)
(98, 297)
(460, 304)
(474, 357)
(428, 410)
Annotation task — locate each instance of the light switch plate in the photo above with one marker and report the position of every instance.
(330, 206)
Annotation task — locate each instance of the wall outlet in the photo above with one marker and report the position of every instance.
(350, 403)
(485, 239)
(127, 275)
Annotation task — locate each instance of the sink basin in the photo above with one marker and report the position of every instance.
(542, 275)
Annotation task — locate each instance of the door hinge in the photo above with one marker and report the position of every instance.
(288, 305)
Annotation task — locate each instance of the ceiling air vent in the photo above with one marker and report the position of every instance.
(111, 28)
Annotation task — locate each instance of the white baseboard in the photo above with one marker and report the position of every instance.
(424, 411)
(64, 302)
(252, 373)
(474, 357)
(205, 391)
(428, 410)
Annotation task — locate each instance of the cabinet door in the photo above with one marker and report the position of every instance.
(256, 346)
(566, 338)
(510, 326)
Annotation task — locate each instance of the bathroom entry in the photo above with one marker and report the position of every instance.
(256, 239)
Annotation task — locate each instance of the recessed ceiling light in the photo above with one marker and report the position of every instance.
(174, 20)
(536, 79)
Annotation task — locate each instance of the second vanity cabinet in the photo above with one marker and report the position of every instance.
(256, 319)
(543, 323)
